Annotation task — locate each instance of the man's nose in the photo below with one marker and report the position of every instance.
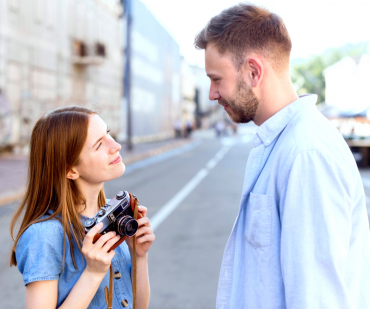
(213, 93)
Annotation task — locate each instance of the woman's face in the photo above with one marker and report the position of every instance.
(99, 160)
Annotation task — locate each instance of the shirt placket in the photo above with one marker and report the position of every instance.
(253, 169)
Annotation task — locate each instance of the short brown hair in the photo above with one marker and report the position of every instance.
(245, 28)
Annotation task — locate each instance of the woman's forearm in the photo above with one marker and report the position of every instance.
(83, 291)
(142, 282)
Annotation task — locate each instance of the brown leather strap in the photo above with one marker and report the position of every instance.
(134, 269)
(109, 292)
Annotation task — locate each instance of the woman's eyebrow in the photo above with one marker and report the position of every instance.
(97, 141)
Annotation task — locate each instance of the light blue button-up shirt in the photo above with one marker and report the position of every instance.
(301, 239)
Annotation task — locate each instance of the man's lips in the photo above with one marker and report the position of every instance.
(224, 104)
(118, 159)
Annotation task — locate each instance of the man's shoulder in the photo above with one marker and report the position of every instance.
(311, 133)
(310, 130)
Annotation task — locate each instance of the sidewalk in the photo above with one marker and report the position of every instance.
(13, 169)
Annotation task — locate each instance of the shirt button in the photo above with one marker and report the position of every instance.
(117, 275)
(124, 303)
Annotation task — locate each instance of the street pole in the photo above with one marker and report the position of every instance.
(127, 76)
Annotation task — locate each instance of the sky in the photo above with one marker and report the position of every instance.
(314, 25)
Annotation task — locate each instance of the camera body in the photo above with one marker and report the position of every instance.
(116, 215)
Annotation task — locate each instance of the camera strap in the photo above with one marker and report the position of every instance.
(134, 269)
(109, 291)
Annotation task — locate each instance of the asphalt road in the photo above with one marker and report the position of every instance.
(200, 186)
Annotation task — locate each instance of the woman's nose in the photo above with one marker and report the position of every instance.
(115, 147)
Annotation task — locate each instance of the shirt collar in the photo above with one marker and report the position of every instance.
(273, 126)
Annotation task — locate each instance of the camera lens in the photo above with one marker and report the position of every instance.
(126, 226)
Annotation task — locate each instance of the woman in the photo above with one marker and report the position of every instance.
(71, 156)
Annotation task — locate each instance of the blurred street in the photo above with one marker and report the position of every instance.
(205, 176)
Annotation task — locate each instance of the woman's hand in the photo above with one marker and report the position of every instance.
(144, 235)
(97, 255)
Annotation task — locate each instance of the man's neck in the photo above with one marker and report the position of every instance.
(274, 96)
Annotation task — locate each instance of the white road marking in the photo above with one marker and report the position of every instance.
(173, 203)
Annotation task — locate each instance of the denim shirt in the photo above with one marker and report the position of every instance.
(39, 256)
(301, 239)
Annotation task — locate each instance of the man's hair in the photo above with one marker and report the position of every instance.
(246, 28)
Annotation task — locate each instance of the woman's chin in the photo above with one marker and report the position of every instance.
(119, 171)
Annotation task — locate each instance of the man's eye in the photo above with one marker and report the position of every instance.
(108, 131)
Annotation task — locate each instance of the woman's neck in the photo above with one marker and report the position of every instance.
(91, 194)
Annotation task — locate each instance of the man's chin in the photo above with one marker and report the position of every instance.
(238, 119)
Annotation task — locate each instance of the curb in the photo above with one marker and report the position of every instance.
(11, 196)
(15, 195)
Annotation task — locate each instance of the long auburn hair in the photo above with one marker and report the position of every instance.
(56, 143)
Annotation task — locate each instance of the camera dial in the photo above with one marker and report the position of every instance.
(126, 225)
(89, 223)
(120, 195)
(101, 213)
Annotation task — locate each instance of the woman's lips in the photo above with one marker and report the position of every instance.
(118, 159)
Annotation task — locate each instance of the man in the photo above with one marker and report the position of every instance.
(301, 238)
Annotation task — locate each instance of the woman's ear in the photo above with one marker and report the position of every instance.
(73, 174)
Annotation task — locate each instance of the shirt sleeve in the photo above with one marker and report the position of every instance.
(39, 252)
(316, 231)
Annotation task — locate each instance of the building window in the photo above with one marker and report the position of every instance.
(100, 50)
(14, 5)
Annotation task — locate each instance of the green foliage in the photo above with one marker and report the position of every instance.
(307, 75)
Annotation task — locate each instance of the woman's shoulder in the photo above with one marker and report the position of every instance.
(39, 251)
(44, 236)
(44, 229)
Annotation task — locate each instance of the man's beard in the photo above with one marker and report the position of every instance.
(243, 106)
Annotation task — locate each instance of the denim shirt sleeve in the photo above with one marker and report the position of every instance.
(39, 252)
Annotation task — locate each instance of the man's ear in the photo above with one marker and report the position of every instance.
(253, 70)
(73, 174)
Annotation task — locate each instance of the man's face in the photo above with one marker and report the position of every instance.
(229, 87)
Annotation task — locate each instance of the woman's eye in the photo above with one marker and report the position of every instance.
(108, 131)
(99, 146)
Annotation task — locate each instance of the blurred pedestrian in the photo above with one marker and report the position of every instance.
(71, 156)
(189, 128)
(301, 238)
(177, 126)
(220, 128)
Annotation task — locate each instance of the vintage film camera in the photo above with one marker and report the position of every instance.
(116, 215)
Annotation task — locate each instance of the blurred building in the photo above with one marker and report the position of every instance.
(57, 53)
(347, 83)
(155, 78)
(196, 105)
